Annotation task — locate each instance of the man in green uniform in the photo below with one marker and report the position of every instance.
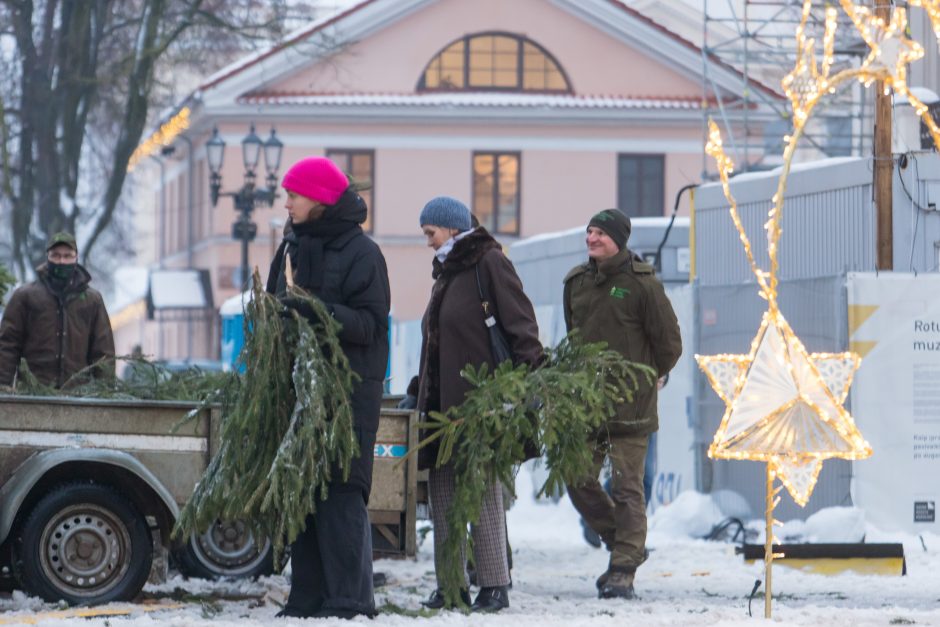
(57, 323)
(615, 297)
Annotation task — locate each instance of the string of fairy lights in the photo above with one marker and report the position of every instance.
(161, 137)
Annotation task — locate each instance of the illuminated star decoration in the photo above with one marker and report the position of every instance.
(891, 51)
(783, 404)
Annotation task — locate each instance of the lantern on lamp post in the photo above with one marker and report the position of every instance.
(248, 196)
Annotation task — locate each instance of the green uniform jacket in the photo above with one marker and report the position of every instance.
(57, 335)
(620, 301)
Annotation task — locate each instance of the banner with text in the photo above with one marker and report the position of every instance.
(894, 324)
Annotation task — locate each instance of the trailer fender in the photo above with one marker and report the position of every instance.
(15, 491)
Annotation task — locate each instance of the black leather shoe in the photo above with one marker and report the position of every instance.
(491, 599)
(289, 612)
(338, 613)
(436, 600)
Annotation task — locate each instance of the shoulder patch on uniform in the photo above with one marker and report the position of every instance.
(641, 267)
(576, 271)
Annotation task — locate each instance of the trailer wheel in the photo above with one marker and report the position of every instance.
(86, 544)
(226, 549)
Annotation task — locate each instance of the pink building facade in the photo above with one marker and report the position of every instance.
(536, 113)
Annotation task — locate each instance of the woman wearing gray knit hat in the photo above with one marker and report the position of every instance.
(454, 334)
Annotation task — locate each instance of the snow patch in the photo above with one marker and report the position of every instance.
(692, 515)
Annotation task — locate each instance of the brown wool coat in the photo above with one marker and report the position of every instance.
(620, 301)
(459, 332)
(56, 336)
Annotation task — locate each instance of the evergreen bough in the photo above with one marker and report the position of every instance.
(7, 281)
(561, 404)
(287, 425)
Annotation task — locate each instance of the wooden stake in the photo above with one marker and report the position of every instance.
(884, 164)
(769, 542)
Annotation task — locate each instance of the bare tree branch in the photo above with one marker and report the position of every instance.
(76, 92)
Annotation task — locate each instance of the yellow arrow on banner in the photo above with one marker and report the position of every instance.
(85, 612)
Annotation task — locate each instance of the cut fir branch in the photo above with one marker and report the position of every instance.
(287, 425)
(7, 281)
(570, 397)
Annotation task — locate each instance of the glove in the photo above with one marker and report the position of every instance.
(299, 305)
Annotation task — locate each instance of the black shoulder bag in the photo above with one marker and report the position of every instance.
(499, 346)
(498, 343)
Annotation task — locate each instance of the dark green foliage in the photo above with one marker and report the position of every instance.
(287, 425)
(7, 281)
(483, 437)
(147, 381)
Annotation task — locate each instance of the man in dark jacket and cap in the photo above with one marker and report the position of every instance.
(57, 323)
(615, 297)
(336, 262)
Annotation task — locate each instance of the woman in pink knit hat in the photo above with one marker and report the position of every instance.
(335, 261)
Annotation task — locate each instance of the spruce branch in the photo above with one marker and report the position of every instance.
(562, 405)
(287, 431)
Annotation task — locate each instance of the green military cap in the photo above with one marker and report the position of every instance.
(62, 238)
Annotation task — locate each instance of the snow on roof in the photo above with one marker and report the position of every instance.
(130, 286)
(472, 99)
(235, 305)
(816, 164)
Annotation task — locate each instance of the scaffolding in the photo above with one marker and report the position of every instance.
(757, 38)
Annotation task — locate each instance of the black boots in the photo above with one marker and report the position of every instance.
(488, 600)
(436, 600)
(491, 599)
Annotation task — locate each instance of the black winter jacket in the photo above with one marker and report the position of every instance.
(58, 334)
(356, 292)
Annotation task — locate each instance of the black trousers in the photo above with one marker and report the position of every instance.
(331, 560)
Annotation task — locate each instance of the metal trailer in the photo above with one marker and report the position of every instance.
(90, 490)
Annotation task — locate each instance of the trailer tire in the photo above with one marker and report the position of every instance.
(225, 550)
(86, 544)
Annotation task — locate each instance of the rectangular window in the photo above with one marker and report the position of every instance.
(641, 185)
(496, 187)
(360, 165)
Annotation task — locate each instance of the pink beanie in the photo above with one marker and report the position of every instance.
(317, 178)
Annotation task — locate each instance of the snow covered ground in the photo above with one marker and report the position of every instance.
(686, 581)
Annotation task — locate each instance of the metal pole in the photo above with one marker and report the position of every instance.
(746, 94)
(244, 205)
(190, 237)
(159, 244)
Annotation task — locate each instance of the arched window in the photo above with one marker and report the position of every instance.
(494, 62)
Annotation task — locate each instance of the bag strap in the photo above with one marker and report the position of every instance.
(488, 318)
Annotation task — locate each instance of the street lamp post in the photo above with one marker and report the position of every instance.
(248, 196)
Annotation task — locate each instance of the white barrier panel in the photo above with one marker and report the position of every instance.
(894, 324)
(675, 470)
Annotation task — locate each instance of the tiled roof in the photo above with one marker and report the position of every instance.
(472, 99)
